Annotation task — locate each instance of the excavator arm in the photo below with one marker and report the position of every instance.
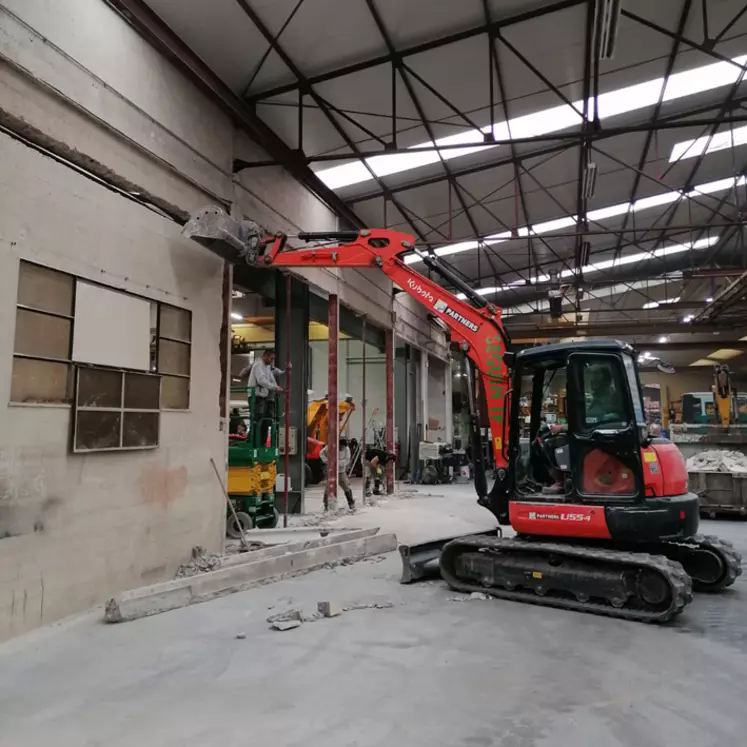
(475, 325)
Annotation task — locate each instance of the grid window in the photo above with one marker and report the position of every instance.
(42, 371)
(173, 340)
(116, 410)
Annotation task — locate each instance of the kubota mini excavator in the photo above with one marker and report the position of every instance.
(615, 534)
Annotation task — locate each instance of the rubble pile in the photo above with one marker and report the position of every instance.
(717, 461)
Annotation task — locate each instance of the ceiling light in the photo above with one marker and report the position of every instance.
(687, 319)
(663, 339)
(237, 317)
(720, 141)
(709, 299)
(725, 354)
(595, 215)
(610, 104)
(607, 22)
(656, 304)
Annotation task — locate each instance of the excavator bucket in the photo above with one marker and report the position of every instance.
(421, 561)
(233, 240)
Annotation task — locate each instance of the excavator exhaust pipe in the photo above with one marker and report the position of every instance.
(234, 241)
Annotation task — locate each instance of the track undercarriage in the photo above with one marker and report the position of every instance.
(648, 584)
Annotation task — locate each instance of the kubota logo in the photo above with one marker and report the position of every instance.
(422, 292)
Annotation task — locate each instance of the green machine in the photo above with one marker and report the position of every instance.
(252, 463)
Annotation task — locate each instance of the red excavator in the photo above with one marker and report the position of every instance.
(603, 518)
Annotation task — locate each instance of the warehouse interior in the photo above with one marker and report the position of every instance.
(293, 292)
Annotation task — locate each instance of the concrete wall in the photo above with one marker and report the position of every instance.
(78, 81)
(85, 526)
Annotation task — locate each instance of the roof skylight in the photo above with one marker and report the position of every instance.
(544, 122)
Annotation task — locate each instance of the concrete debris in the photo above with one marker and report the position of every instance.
(717, 461)
(329, 609)
(286, 624)
(240, 636)
(467, 598)
(369, 606)
(293, 618)
(202, 562)
(293, 614)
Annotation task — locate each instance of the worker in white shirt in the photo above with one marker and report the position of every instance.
(262, 375)
(343, 462)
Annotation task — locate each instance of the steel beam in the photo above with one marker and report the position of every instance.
(160, 36)
(615, 329)
(650, 136)
(333, 417)
(385, 59)
(568, 140)
(389, 360)
(673, 121)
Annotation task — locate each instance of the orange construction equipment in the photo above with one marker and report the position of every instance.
(603, 517)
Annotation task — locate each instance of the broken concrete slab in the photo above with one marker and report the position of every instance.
(259, 568)
(286, 624)
(329, 608)
(301, 544)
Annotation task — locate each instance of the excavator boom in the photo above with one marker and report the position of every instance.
(476, 327)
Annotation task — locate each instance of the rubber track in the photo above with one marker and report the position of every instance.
(731, 558)
(679, 582)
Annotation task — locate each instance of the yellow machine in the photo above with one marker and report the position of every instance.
(722, 394)
(317, 417)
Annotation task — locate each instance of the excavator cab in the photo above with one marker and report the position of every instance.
(590, 449)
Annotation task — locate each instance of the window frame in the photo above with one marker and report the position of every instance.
(73, 366)
(188, 343)
(122, 410)
(47, 359)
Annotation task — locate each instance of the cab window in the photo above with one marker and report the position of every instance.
(604, 394)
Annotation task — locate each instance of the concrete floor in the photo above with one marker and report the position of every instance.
(428, 671)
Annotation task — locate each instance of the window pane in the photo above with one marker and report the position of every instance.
(176, 323)
(42, 382)
(142, 392)
(605, 399)
(42, 335)
(633, 384)
(174, 393)
(173, 357)
(97, 430)
(140, 429)
(99, 388)
(45, 289)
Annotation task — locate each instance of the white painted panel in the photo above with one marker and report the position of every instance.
(111, 328)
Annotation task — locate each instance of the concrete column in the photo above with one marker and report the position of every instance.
(333, 429)
(390, 409)
(299, 345)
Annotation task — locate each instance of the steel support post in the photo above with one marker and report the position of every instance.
(292, 344)
(333, 428)
(389, 342)
(364, 462)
